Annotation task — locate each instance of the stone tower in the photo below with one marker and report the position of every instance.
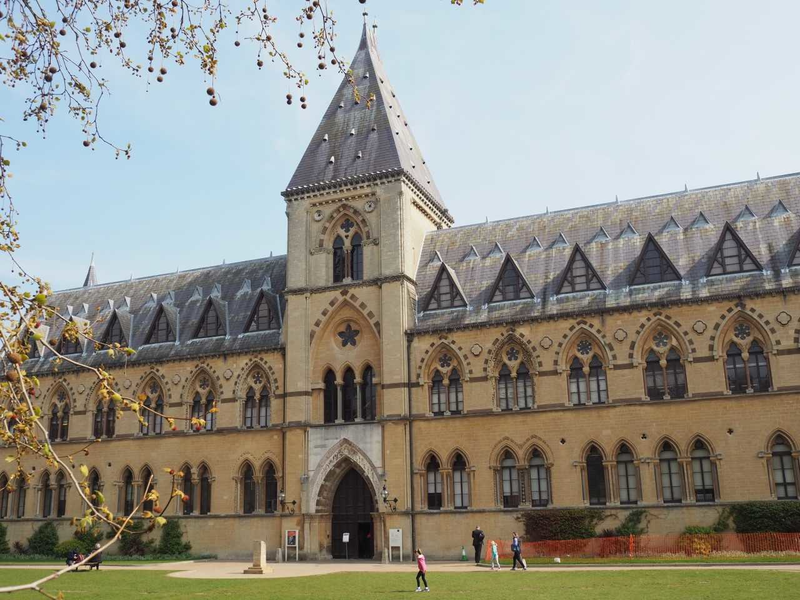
(358, 207)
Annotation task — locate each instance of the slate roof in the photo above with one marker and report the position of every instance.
(354, 141)
(233, 288)
(535, 244)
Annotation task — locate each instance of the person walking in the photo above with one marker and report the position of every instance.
(495, 557)
(477, 543)
(422, 568)
(517, 549)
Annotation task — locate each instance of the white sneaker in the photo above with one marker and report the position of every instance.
(418, 590)
(427, 589)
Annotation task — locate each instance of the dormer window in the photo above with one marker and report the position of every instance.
(732, 255)
(262, 318)
(510, 283)
(210, 323)
(653, 265)
(161, 330)
(580, 275)
(445, 292)
(114, 333)
(70, 341)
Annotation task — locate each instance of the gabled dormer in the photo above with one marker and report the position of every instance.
(653, 265)
(510, 283)
(446, 291)
(161, 330)
(731, 255)
(114, 333)
(210, 325)
(580, 275)
(262, 317)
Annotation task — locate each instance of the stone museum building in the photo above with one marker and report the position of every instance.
(392, 371)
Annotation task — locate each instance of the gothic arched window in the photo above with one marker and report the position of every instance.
(55, 422)
(757, 368)
(188, 506)
(434, 481)
(153, 421)
(204, 404)
(626, 476)
(455, 393)
(349, 396)
(735, 369)
(270, 489)
(510, 481)
(524, 387)
(540, 484)
(47, 492)
(783, 471)
(205, 491)
(248, 490)
(577, 383)
(5, 496)
(671, 479)
(596, 477)
(147, 480)
(357, 258)
(128, 492)
(111, 419)
(338, 260)
(368, 395)
(438, 394)
(505, 389)
(98, 421)
(61, 495)
(460, 483)
(331, 397)
(702, 473)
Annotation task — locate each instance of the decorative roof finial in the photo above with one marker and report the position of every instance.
(91, 274)
(685, 187)
(365, 14)
(758, 176)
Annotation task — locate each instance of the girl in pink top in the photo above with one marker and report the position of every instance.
(422, 568)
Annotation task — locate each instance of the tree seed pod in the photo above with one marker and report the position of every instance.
(12, 375)
(93, 65)
(15, 358)
(213, 102)
(210, 91)
(237, 43)
(163, 70)
(160, 79)
(86, 144)
(53, 70)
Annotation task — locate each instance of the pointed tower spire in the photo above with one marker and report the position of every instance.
(364, 116)
(91, 274)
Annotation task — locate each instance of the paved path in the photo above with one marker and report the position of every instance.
(219, 569)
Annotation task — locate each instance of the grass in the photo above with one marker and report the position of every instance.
(611, 585)
(656, 560)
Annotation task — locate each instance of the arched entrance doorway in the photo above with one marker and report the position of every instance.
(353, 506)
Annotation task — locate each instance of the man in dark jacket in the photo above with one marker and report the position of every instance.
(477, 543)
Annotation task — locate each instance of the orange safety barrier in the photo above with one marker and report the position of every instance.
(640, 546)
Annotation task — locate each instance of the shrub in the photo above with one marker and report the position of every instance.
(67, 546)
(632, 524)
(89, 537)
(766, 517)
(20, 548)
(4, 547)
(44, 540)
(132, 542)
(561, 524)
(697, 530)
(172, 539)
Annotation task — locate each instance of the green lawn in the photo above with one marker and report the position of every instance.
(636, 585)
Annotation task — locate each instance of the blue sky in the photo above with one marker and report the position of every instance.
(518, 105)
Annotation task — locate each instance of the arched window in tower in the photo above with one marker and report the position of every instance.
(55, 422)
(510, 481)
(349, 396)
(61, 495)
(205, 491)
(64, 433)
(249, 408)
(331, 397)
(357, 258)
(783, 471)
(735, 369)
(248, 491)
(128, 493)
(758, 369)
(455, 393)
(702, 473)
(111, 419)
(434, 481)
(368, 395)
(197, 408)
(338, 260)
(264, 408)
(47, 493)
(671, 480)
(153, 421)
(270, 489)
(438, 394)
(540, 484)
(22, 494)
(598, 387)
(505, 389)
(148, 484)
(188, 490)
(626, 476)
(460, 483)
(596, 477)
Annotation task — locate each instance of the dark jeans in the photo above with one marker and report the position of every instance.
(421, 574)
(517, 559)
(478, 553)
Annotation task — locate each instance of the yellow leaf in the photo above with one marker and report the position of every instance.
(84, 470)
(161, 521)
(142, 397)
(10, 458)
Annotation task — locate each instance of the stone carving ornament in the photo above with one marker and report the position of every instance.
(476, 349)
(546, 343)
(227, 374)
(318, 214)
(620, 335)
(699, 327)
(369, 206)
(348, 336)
(783, 318)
